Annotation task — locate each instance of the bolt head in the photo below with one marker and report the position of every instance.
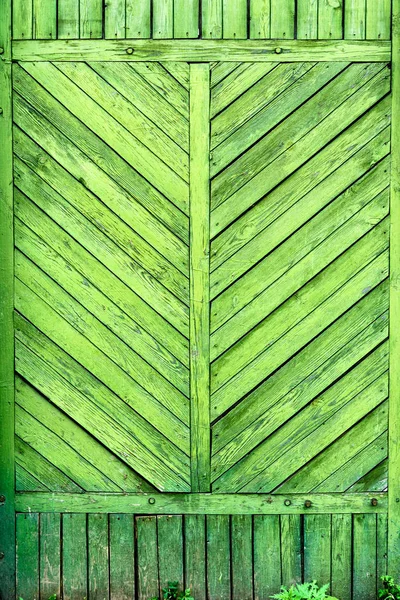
(2, 498)
(129, 50)
(1, 555)
(152, 500)
(278, 50)
(308, 503)
(287, 502)
(1, 50)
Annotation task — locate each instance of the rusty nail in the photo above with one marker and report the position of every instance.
(287, 502)
(308, 503)
(152, 500)
(278, 50)
(2, 498)
(129, 50)
(374, 502)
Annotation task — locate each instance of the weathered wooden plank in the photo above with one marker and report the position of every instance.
(394, 370)
(163, 19)
(378, 20)
(114, 20)
(98, 556)
(50, 554)
(317, 548)
(147, 560)
(205, 50)
(364, 557)
(7, 515)
(260, 19)
(282, 19)
(212, 19)
(186, 18)
(170, 550)
(381, 549)
(195, 555)
(199, 277)
(68, 19)
(44, 19)
(218, 557)
(203, 504)
(74, 556)
(330, 19)
(291, 549)
(22, 20)
(307, 19)
(242, 557)
(138, 18)
(122, 557)
(27, 556)
(91, 19)
(267, 555)
(234, 19)
(354, 19)
(341, 576)
(26, 482)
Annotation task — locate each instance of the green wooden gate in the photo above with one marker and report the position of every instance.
(200, 266)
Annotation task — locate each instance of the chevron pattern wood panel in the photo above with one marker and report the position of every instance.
(299, 277)
(102, 276)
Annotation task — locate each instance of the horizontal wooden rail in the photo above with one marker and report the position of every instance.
(202, 50)
(202, 503)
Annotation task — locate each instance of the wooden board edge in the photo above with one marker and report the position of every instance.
(193, 503)
(7, 513)
(394, 340)
(200, 277)
(205, 50)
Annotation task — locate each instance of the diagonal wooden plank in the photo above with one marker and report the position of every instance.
(274, 173)
(179, 71)
(59, 269)
(374, 481)
(87, 447)
(304, 315)
(305, 179)
(255, 431)
(315, 472)
(220, 70)
(287, 119)
(304, 270)
(291, 246)
(26, 482)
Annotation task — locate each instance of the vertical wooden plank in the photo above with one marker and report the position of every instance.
(163, 19)
(364, 557)
(22, 19)
(98, 557)
(394, 340)
(291, 550)
(211, 19)
(170, 549)
(122, 557)
(317, 548)
(267, 556)
(354, 19)
(186, 18)
(74, 556)
(199, 276)
(330, 19)
(137, 18)
(378, 20)
(381, 549)
(195, 555)
(242, 557)
(341, 556)
(218, 557)
(234, 19)
(91, 19)
(44, 19)
(260, 19)
(68, 19)
(114, 19)
(282, 19)
(27, 556)
(147, 557)
(7, 515)
(307, 19)
(50, 566)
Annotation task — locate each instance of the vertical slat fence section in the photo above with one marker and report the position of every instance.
(282, 19)
(330, 19)
(211, 19)
(68, 19)
(44, 19)
(199, 276)
(186, 18)
(307, 19)
(7, 512)
(98, 556)
(267, 555)
(74, 556)
(122, 557)
(163, 19)
(378, 21)
(170, 550)
(260, 19)
(317, 548)
(218, 557)
(364, 557)
(147, 558)
(341, 575)
(394, 370)
(22, 21)
(27, 557)
(291, 551)
(91, 19)
(195, 555)
(50, 554)
(138, 18)
(114, 20)
(234, 22)
(355, 19)
(242, 557)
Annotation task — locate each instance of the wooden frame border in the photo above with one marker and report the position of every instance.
(202, 50)
(7, 512)
(394, 323)
(162, 503)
